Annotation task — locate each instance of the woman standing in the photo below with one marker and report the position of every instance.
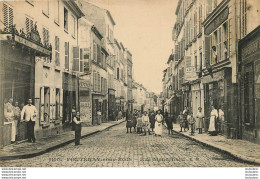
(213, 117)
(158, 124)
(200, 118)
(76, 120)
(152, 120)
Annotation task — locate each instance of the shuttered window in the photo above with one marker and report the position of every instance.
(99, 54)
(8, 15)
(76, 59)
(67, 55)
(95, 52)
(207, 48)
(45, 32)
(200, 18)
(57, 11)
(86, 57)
(28, 24)
(57, 51)
(66, 19)
(99, 83)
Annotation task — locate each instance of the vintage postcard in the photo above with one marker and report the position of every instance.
(129, 83)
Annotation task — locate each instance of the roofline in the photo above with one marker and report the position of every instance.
(110, 16)
(178, 7)
(129, 52)
(74, 7)
(122, 46)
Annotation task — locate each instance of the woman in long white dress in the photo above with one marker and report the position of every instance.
(158, 124)
(213, 118)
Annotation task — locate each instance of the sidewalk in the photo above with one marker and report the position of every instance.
(27, 150)
(243, 150)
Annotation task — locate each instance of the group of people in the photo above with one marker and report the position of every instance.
(190, 122)
(148, 122)
(15, 115)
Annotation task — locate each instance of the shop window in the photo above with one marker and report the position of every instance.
(8, 15)
(57, 116)
(28, 24)
(57, 51)
(67, 55)
(66, 19)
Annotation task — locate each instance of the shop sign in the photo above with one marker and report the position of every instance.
(215, 23)
(31, 45)
(250, 49)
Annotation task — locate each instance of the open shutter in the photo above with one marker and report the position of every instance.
(67, 55)
(207, 47)
(76, 58)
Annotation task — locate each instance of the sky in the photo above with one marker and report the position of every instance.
(145, 29)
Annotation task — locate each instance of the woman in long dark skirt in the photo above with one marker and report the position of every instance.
(76, 120)
(152, 120)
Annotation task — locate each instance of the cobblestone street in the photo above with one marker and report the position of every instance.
(116, 148)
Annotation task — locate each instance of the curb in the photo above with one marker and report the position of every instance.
(235, 156)
(34, 154)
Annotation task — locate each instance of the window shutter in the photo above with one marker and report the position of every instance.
(57, 51)
(76, 58)
(207, 47)
(67, 55)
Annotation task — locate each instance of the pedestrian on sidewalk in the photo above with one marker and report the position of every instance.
(10, 118)
(191, 121)
(128, 122)
(169, 122)
(212, 121)
(200, 118)
(77, 123)
(221, 117)
(139, 124)
(146, 123)
(158, 124)
(30, 113)
(99, 117)
(152, 120)
(119, 117)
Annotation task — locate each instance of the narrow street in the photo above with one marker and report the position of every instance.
(116, 148)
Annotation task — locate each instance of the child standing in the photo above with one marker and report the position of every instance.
(191, 121)
(139, 124)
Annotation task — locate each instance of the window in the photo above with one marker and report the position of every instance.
(95, 52)
(99, 59)
(67, 55)
(76, 59)
(226, 40)
(8, 15)
(28, 24)
(45, 32)
(200, 18)
(98, 83)
(86, 57)
(108, 31)
(57, 115)
(209, 7)
(57, 51)
(74, 26)
(196, 63)
(45, 7)
(81, 64)
(46, 114)
(195, 24)
(65, 19)
(57, 11)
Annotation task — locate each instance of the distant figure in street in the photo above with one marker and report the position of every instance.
(213, 117)
(10, 118)
(119, 116)
(134, 121)
(76, 120)
(221, 116)
(128, 122)
(152, 120)
(146, 123)
(158, 124)
(200, 118)
(191, 122)
(30, 113)
(99, 116)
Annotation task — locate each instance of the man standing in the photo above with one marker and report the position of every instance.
(30, 113)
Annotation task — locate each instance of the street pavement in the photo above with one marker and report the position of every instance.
(115, 148)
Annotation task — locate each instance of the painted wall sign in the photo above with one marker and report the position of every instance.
(250, 49)
(217, 21)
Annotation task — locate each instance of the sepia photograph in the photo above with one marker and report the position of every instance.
(129, 83)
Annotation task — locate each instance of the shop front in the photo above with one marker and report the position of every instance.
(70, 96)
(249, 85)
(17, 75)
(111, 104)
